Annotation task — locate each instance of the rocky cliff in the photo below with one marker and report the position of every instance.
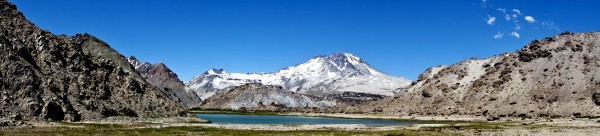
(555, 77)
(49, 77)
(162, 77)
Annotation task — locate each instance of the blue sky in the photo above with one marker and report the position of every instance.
(398, 37)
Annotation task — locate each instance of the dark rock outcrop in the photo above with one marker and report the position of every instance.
(354, 98)
(162, 77)
(49, 77)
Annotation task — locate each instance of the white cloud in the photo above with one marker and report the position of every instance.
(529, 19)
(516, 11)
(490, 20)
(503, 10)
(484, 3)
(513, 18)
(515, 34)
(498, 35)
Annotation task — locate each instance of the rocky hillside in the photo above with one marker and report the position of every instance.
(263, 97)
(555, 77)
(49, 77)
(256, 96)
(162, 77)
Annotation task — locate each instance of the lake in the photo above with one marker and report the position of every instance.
(274, 119)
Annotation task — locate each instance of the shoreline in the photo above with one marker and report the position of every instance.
(192, 125)
(452, 118)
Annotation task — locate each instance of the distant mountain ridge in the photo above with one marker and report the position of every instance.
(319, 76)
(162, 77)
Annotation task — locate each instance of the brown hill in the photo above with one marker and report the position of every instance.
(555, 77)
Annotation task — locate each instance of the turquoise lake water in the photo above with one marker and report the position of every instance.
(262, 119)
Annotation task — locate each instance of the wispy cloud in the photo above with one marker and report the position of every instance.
(507, 17)
(503, 10)
(517, 26)
(499, 35)
(529, 19)
(512, 21)
(515, 34)
(516, 11)
(550, 26)
(490, 20)
(484, 3)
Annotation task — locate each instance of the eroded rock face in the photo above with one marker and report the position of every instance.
(260, 97)
(554, 77)
(166, 80)
(263, 97)
(49, 77)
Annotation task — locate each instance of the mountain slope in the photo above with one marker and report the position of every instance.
(558, 76)
(162, 77)
(319, 76)
(51, 77)
(263, 97)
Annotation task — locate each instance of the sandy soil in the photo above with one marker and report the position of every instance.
(511, 127)
(534, 132)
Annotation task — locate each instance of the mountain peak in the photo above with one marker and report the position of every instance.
(161, 65)
(338, 55)
(338, 62)
(214, 71)
(7, 6)
(138, 65)
(345, 57)
(344, 54)
(131, 58)
(341, 59)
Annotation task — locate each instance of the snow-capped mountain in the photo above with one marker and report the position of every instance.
(319, 76)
